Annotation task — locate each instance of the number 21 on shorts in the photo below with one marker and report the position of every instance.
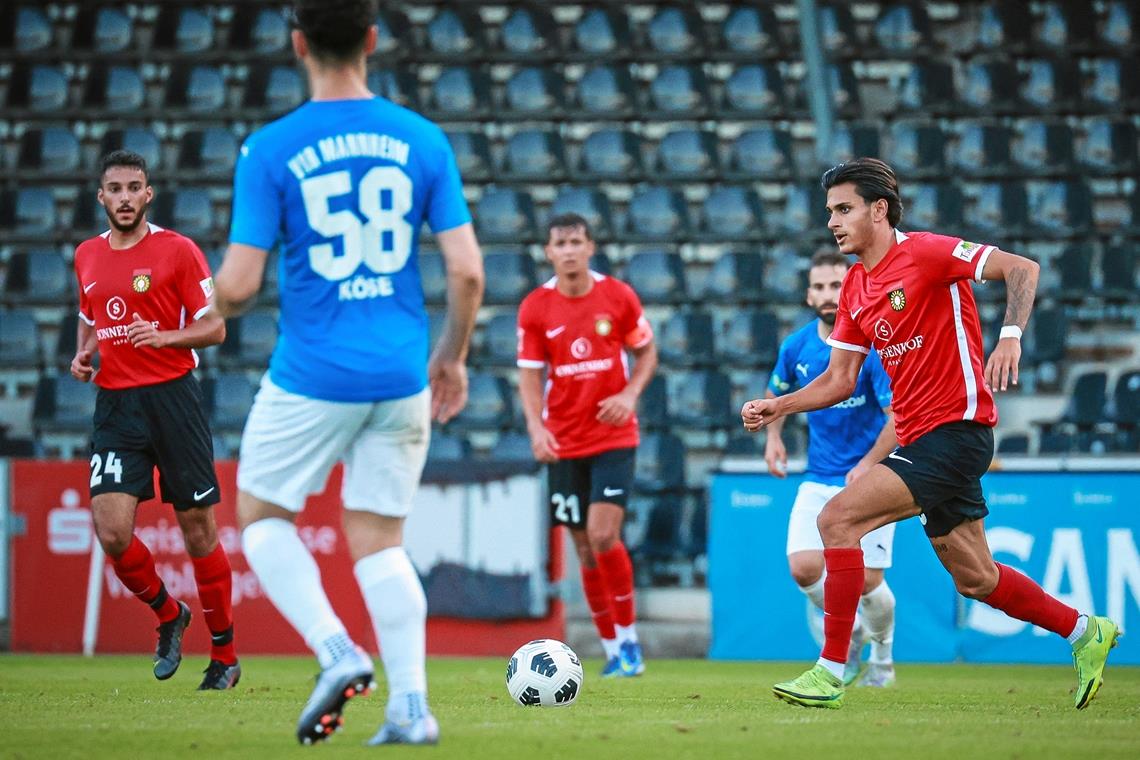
(566, 508)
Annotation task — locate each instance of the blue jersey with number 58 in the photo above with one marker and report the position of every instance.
(344, 187)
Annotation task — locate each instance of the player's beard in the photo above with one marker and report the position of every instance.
(133, 225)
(828, 316)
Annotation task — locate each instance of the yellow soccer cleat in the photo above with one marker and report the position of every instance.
(1090, 653)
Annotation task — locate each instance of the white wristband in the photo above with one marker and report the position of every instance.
(1010, 331)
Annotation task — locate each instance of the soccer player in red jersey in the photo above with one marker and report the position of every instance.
(910, 299)
(577, 328)
(144, 307)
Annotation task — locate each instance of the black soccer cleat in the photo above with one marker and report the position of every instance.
(348, 677)
(220, 676)
(168, 653)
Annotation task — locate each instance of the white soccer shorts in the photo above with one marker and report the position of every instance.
(291, 442)
(803, 535)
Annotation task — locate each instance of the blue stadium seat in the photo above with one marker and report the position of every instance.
(141, 139)
(805, 210)
(702, 399)
(504, 215)
(1109, 146)
(1087, 399)
(685, 339)
(1118, 271)
(1046, 335)
(749, 338)
(676, 31)
(1114, 86)
(1013, 444)
(460, 92)
(754, 90)
(229, 397)
(917, 149)
(762, 153)
(611, 154)
(500, 340)
(981, 150)
(260, 30)
(534, 92)
(653, 405)
(999, 210)
(1126, 399)
(837, 30)
(536, 155)
(200, 89)
(603, 33)
(187, 210)
(395, 84)
(31, 30)
(657, 276)
(1056, 442)
(658, 213)
(249, 340)
(19, 340)
(184, 28)
(687, 154)
(394, 34)
(1061, 208)
(660, 463)
(928, 89)
(679, 92)
(933, 206)
(1121, 24)
(751, 32)
(607, 91)
(850, 141)
(33, 213)
(1051, 86)
(1074, 270)
(488, 404)
(64, 405)
(65, 338)
(589, 202)
(735, 278)
(105, 29)
(455, 33)
(278, 89)
(1042, 147)
(472, 154)
(1063, 28)
(1001, 25)
(448, 448)
(844, 89)
(212, 151)
(39, 87)
(510, 276)
(731, 213)
(990, 86)
(903, 29)
(529, 33)
(51, 150)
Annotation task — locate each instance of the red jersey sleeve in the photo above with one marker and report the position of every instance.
(846, 334)
(85, 312)
(195, 283)
(636, 330)
(950, 259)
(532, 346)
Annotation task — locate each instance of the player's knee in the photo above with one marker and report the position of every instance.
(114, 538)
(833, 526)
(804, 575)
(602, 539)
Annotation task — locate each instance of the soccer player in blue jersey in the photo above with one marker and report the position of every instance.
(342, 185)
(845, 440)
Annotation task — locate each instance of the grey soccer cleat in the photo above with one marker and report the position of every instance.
(220, 676)
(348, 677)
(168, 652)
(422, 731)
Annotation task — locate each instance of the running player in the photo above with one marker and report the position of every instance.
(844, 441)
(909, 298)
(344, 184)
(576, 329)
(143, 308)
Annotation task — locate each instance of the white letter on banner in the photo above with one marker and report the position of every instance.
(1067, 557)
(1123, 571)
(984, 618)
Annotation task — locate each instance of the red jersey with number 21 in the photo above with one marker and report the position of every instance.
(917, 309)
(165, 279)
(582, 343)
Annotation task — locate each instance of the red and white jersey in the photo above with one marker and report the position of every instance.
(916, 308)
(582, 342)
(165, 279)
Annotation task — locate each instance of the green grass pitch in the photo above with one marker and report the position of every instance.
(111, 707)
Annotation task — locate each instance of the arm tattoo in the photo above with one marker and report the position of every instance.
(1020, 289)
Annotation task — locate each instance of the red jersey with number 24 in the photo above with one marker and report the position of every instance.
(165, 279)
(582, 341)
(917, 309)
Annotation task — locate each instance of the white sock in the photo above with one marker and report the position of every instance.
(814, 593)
(834, 668)
(611, 648)
(395, 600)
(626, 633)
(290, 578)
(1079, 629)
(878, 606)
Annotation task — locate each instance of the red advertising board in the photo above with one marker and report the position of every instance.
(51, 562)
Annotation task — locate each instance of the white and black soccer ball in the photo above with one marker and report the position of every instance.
(544, 673)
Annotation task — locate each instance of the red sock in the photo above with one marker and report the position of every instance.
(841, 591)
(616, 566)
(215, 590)
(598, 599)
(1018, 596)
(135, 568)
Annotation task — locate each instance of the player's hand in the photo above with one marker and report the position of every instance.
(858, 471)
(544, 445)
(448, 380)
(1001, 369)
(757, 413)
(776, 456)
(81, 367)
(144, 334)
(617, 409)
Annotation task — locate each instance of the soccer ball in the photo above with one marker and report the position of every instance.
(545, 673)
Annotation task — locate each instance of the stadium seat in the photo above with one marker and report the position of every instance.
(1042, 147)
(602, 33)
(1013, 444)
(64, 405)
(685, 339)
(928, 89)
(187, 211)
(785, 270)
(529, 33)
(33, 212)
(1063, 28)
(119, 89)
(270, 281)
(1126, 399)
(1114, 86)
(607, 91)
(981, 150)
(1055, 442)
(32, 30)
(277, 89)
(702, 399)
(184, 28)
(488, 404)
(1046, 335)
(903, 30)
(657, 276)
(1118, 271)
(754, 90)
(211, 151)
(433, 276)
(1096, 442)
(850, 141)
(588, 202)
(263, 30)
(229, 397)
(249, 340)
(1074, 271)
(141, 139)
(653, 405)
(201, 89)
(51, 150)
(762, 154)
(837, 30)
(844, 89)
(40, 88)
(658, 213)
(675, 31)
(1120, 25)
(611, 154)
(394, 34)
(455, 32)
(990, 86)
(999, 210)
(534, 91)
(536, 155)
(472, 154)
(1087, 399)
(504, 215)
(460, 92)
(661, 544)
(735, 278)
(510, 276)
(19, 340)
(660, 463)
(1061, 208)
(687, 154)
(805, 210)
(1001, 25)
(394, 84)
(679, 92)
(731, 213)
(448, 448)
(917, 149)
(750, 32)
(749, 338)
(1109, 146)
(500, 340)
(1051, 86)
(105, 29)
(932, 206)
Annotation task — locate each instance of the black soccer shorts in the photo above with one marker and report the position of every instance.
(943, 470)
(163, 426)
(575, 484)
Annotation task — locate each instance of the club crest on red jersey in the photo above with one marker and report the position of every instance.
(897, 299)
(603, 326)
(141, 281)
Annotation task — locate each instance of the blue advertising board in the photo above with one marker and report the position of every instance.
(1075, 533)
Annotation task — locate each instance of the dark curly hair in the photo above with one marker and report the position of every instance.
(123, 157)
(873, 179)
(334, 29)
